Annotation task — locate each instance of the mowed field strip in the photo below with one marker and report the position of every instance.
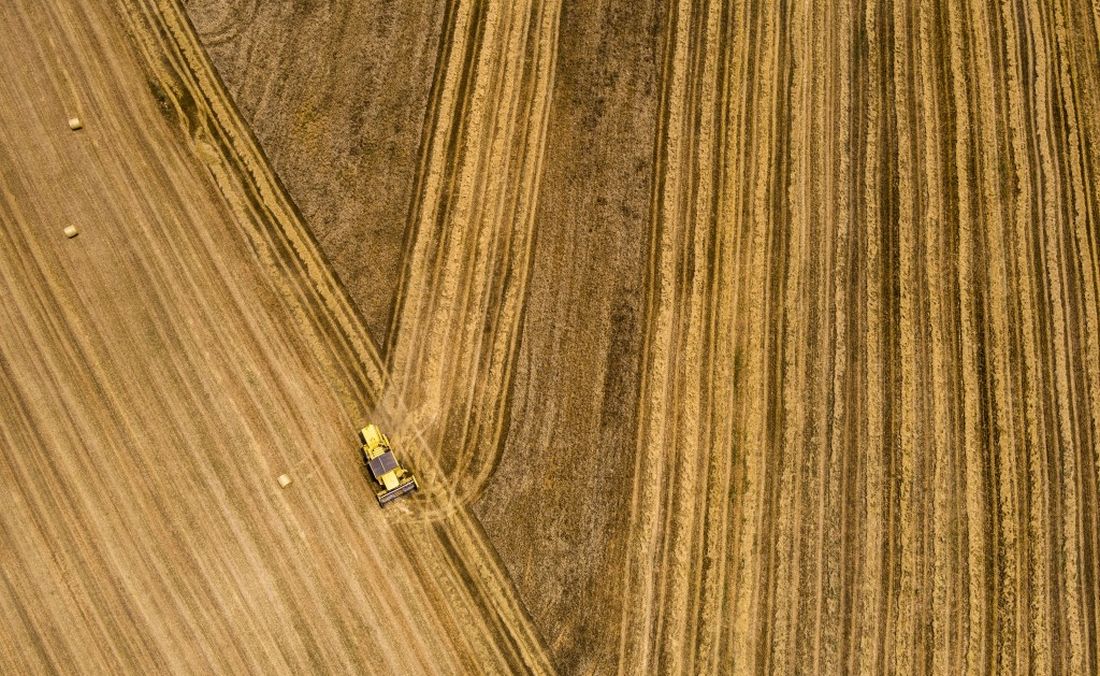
(869, 424)
(165, 366)
(725, 337)
(852, 381)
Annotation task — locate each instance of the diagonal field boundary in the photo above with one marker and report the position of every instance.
(480, 589)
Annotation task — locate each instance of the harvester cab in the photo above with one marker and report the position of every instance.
(394, 479)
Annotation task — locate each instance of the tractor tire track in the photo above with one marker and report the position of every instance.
(453, 340)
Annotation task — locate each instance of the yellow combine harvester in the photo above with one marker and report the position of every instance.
(377, 454)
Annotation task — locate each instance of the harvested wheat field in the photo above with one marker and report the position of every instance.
(722, 337)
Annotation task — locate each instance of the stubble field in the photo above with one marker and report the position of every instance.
(724, 337)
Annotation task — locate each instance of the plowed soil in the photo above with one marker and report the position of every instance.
(724, 336)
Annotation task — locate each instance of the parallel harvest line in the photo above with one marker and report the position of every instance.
(352, 353)
(912, 460)
(454, 334)
(147, 587)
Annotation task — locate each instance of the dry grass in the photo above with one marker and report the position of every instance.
(163, 369)
(726, 337)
